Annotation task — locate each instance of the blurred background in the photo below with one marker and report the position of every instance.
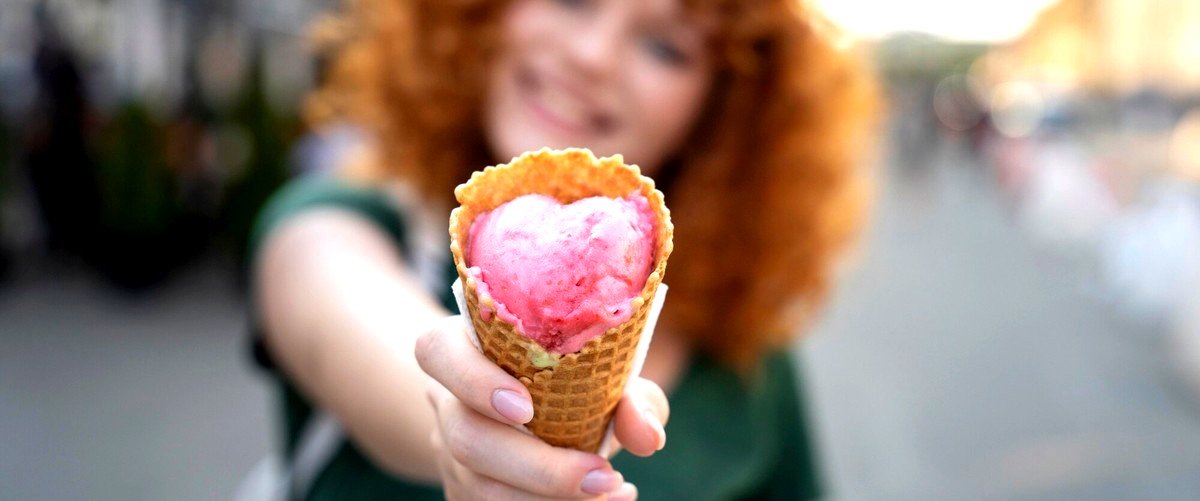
(1021, 321)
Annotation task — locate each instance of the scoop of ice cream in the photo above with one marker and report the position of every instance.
(562, 274)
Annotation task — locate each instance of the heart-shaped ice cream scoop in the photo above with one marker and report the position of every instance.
(562, 274)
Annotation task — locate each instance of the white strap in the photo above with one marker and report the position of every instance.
(319, 441)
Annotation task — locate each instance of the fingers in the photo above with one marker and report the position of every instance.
(627, 492)
(447, 355)
(458, 482)
(476, 401)
(640, 417)
(514, 458)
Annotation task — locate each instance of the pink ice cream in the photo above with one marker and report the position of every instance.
(562, 274)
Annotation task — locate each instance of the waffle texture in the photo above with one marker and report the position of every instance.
(573, 401)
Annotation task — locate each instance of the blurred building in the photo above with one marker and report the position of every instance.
(1110, 46)
(135, 134)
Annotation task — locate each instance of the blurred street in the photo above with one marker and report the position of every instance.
(959, 362)
(956, 362)
(108, 395)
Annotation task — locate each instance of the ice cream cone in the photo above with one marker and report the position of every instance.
(573, 399)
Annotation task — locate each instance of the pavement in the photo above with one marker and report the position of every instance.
(960, 361)
(110, 395)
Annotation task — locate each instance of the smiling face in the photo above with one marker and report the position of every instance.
(614, 76)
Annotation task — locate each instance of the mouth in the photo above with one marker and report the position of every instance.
(561, 108)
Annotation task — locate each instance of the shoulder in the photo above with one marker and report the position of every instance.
(779, 376)
(762, 436)
(775, 378)
(309, 193)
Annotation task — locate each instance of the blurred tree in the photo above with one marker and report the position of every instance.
(61, 171)
(143, 237)
(265, 167)
(5, 191)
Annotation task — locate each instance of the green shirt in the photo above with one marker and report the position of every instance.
(728, 438)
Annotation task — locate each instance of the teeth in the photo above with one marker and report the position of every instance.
(565, 106)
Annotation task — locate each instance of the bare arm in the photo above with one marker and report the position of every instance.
(342, 314)
(347, 320)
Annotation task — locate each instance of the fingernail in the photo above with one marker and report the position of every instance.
(627, 492)
(660, 434)
(600, 481)
(512, 406)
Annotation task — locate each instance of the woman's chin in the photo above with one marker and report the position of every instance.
(506, 148)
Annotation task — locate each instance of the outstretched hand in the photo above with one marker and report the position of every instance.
(481, 454)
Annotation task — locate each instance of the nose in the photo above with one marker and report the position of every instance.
(594, 47)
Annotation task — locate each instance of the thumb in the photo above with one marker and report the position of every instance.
(641, 416)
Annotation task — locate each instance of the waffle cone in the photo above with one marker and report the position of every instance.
(574, 400)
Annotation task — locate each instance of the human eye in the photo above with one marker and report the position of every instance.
(664, 50)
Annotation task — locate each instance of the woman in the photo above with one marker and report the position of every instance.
(747, 116)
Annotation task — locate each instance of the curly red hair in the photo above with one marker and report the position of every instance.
(765, 194)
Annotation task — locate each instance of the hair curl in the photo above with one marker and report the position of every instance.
(765, 194)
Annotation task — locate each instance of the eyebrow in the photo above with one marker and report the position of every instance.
(672, 16)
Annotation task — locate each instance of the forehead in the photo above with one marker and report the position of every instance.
(710, 16)
(705, 8)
